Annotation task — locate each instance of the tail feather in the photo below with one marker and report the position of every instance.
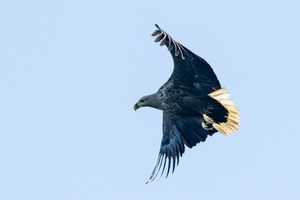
(232, 122)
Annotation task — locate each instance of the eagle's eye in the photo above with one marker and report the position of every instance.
(143, 100)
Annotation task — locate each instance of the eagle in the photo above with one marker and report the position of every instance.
(193, 102)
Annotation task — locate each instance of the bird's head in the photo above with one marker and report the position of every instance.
(144, 101)
(149, 100)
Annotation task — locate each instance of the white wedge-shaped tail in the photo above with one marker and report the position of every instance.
(233, 119)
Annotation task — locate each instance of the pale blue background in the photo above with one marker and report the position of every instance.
(70, 72)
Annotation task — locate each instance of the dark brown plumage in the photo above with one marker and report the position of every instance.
(193, 103)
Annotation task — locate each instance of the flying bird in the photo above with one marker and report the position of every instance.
(193, 102)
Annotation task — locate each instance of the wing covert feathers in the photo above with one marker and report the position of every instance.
(233, 119)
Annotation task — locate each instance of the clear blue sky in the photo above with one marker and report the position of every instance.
(70, 72)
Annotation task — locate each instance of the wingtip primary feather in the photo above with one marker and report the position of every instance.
(162, 37)
(164, 162)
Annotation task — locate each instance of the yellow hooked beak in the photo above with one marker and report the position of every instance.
(137, 105)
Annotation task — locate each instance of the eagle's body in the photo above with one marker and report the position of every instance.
(193, 103)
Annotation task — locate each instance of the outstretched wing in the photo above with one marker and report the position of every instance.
(178, 131)
(190, 71)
